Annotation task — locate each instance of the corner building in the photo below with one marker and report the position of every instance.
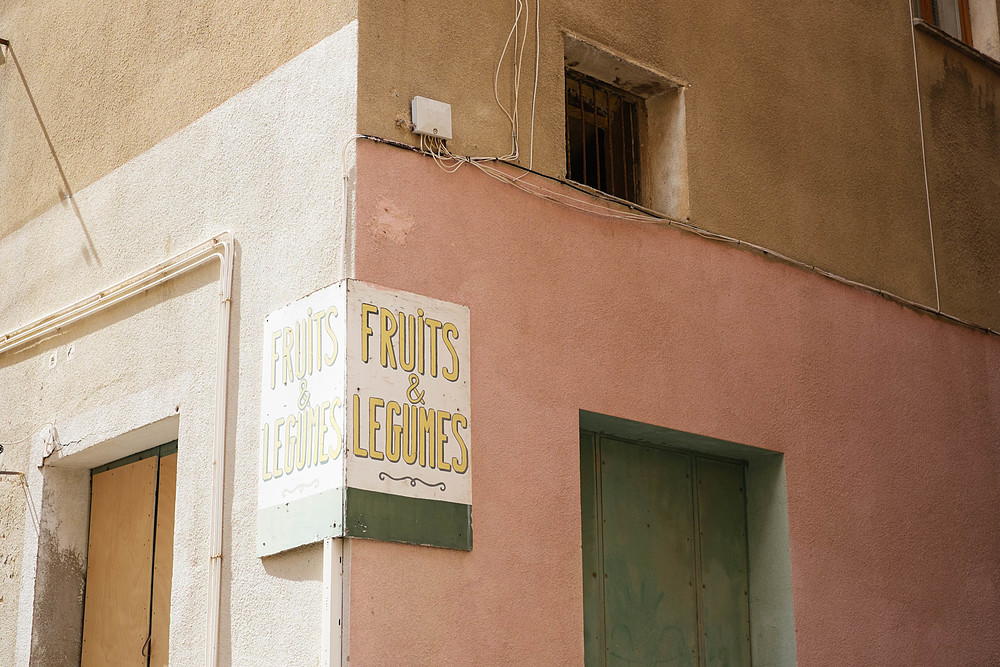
(734, 363)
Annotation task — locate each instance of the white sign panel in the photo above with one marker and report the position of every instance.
(301, 472)
(409, 411)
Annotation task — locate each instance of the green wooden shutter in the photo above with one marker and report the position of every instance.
(664, 556)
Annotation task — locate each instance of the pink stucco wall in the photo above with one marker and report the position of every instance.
(889, 420)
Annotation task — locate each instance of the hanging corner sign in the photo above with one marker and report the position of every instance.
(365, 420)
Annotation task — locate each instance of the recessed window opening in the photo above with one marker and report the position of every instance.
(625, 128)
(602, 140)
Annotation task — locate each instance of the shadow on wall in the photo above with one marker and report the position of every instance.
(90, 253)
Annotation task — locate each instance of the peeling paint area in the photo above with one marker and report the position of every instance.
(390, 223)
(61, 580)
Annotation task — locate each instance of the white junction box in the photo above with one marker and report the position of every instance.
(431, 117)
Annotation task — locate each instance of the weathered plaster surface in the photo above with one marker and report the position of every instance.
(802, 134)
(961, 114)
(889, 421)
(985, 34)
(15, 527)
(266, 165)
(62, 568)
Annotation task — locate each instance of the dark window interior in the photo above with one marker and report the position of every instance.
(602, 136)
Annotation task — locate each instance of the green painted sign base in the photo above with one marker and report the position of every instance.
(383, 516)
(369, 515)
(304, 521)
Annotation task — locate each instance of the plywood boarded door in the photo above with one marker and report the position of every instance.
(664, 556)
(163, 562)
(131, 527)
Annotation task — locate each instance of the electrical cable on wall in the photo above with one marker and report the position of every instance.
(517, 59)
(34, 431)
(450, 162)
(436, 147)
(519, 36)
(534, 92)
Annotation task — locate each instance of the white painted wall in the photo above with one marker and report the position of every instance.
(985, 31)
(266, 165)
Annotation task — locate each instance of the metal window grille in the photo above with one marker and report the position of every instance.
(602, 136)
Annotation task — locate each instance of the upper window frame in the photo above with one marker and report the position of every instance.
(924, 10)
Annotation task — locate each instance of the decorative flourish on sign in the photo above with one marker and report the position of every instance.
(303, 396)
(416, 396)
(413, 480)
(303, 485)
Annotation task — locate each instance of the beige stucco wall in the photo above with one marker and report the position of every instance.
(14, 519)
(86, 88)
(110, 80)
(803, 129)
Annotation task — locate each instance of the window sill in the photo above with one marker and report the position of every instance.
(601, 194)
(970, 51)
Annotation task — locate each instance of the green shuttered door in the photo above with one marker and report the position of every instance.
(664, 556)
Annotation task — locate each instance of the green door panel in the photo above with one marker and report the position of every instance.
(650, 613)
(593, 570)
(723, 540)
(664, 555)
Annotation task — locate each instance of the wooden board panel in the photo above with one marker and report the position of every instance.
(119, 565)
(649, 555)
(722, 526)
(163, 562)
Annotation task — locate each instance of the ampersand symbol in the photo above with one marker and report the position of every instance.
(412, 393)
(303, 396)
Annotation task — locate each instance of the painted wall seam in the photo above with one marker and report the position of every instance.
(655, 218)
